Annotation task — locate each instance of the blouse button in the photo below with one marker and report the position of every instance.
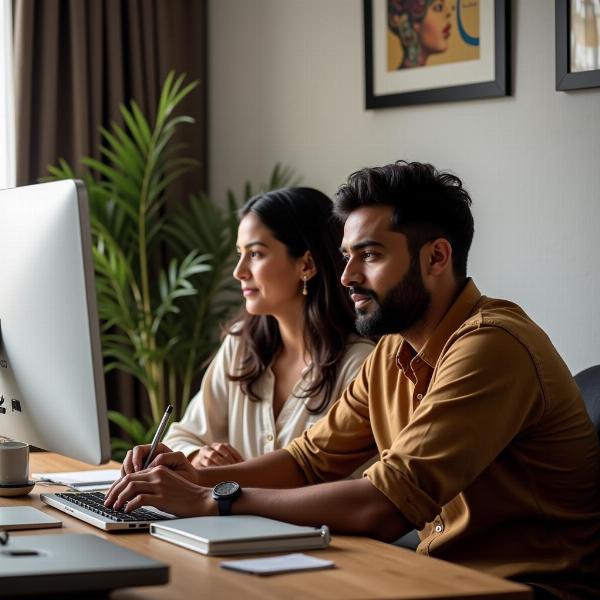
(269, 438)
(419, 396)
(439, 528)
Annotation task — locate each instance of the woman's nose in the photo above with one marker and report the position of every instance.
(240, 272)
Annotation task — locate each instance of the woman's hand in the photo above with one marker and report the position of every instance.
(164, 489)
(216, 455)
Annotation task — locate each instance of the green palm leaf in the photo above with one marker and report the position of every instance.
(158, 323)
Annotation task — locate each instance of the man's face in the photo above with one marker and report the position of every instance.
(385, 285)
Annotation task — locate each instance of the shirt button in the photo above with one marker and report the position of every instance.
(269, 438)
(439, 528)
(419, 396)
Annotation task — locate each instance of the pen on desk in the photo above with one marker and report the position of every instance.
(158, 436)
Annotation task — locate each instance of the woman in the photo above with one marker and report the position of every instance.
(422, 26)
(291, 351)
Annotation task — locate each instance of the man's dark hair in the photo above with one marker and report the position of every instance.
(427, 205)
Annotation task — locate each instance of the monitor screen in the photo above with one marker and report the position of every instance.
(51, 377)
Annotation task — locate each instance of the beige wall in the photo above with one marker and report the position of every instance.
(286, 84)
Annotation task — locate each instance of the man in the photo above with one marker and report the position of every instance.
(484, 443)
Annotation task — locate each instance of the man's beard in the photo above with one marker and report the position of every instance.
(401, 307)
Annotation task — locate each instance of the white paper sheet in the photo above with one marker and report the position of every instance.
(82, 481)
(278, 564)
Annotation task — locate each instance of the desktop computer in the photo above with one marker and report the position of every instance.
(52, 384)
(51, 375)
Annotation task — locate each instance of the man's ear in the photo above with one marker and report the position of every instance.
(438, 256)
(307, 266)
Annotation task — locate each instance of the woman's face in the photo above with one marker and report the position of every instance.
(271, 279)
(434, 30)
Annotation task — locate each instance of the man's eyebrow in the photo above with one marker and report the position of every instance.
(361, 245)
(255, 243)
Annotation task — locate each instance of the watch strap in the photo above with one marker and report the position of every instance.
(224, 505)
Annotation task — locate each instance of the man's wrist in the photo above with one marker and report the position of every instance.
(225, 493)
(212, 509)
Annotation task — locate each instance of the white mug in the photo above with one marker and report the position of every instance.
(14, 463)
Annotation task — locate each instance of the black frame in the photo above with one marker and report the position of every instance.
(499, 87)
(565, 80)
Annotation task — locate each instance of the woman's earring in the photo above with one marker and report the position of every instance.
(305, 286)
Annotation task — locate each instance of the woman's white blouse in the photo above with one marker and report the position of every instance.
(221, 412)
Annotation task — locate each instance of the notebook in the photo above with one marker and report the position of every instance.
(69, 563)
(239, 534)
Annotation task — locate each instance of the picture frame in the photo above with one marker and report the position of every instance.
(484, 77)
(566, 77)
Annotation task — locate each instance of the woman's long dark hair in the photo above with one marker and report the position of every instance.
(302, 219)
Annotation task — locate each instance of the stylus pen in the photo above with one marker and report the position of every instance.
(158, 435)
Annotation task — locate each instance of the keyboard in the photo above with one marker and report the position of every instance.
(89, 507)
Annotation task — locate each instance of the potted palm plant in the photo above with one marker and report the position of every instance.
(163, 278)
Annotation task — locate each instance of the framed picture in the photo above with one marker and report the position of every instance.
(419, 51)
(577, 44)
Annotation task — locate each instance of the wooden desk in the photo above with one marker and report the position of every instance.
(365, 568)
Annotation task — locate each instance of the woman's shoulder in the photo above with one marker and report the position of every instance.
(358, 347)
(357, 351)
(360, 343)
(234, 329)
(231, 343)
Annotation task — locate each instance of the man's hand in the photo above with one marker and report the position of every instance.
(176, 461)
(136, 457)
(134, 461)
(163, 488)
(217, 454)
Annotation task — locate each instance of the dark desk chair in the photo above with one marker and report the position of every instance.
(409, 540)
(589, 384)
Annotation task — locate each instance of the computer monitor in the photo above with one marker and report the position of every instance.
(51, 377)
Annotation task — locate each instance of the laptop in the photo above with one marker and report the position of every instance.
(89, 507)
(36, 565)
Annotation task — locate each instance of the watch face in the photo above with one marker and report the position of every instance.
(226, 488)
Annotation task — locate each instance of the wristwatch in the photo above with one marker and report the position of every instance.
(225, 493)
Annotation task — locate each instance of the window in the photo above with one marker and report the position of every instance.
(7, 112)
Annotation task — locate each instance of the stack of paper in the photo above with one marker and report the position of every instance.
(82, 481)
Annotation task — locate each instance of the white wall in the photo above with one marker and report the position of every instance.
(286, 84)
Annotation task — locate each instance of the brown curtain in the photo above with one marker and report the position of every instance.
(77, 60)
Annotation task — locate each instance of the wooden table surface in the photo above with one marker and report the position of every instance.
(364, 569)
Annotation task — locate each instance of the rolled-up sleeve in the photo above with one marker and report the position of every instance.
(483, 392)
(342, 440)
